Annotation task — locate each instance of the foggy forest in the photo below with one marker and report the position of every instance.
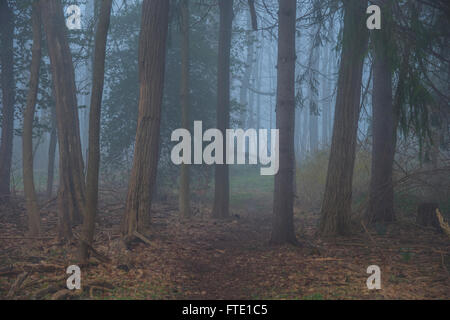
(224, 149)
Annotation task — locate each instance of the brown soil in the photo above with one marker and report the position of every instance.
(211, 259)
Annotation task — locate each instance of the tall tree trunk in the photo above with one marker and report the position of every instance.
(27, 135)
(314, 98)
(384, 128)
(333, 69)
(86, 73)
(152, 57)
(258, 84)
(222, 184)
(251, 101)
(8, 98)
(336, 207)
(243, 91)
(71, 193)
(184, 197)
(325, 94)
(283, 203)
(51, 153)
(94, 130)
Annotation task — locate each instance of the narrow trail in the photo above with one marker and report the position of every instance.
(231, 259)
(219, 257)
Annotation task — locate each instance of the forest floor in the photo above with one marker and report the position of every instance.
(204, 258)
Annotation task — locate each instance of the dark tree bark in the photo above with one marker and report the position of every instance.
(94, 130)
(51, 153)
(71, 193)
(27, 135)
(336, 207)
(184, 197)
(384, 128)
(426, 216)
(8, 98)
(152, 57)
(222, 183)
(283, 202)
(251, 5)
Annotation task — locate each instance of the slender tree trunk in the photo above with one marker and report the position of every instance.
(314, 101)
(92, 10)
(243, 91)
(313, 131)
(184, 200)
(251, 101)
(283, 203)
(272, 85)
(8, 98)
(51, 153)
(336, 207)
(325, 94)
(258, 85)
(27, 135)
(333, 69)
(384, 128)
(152, 57)
(297, 135)
(305, 133)
(94, 130)
(222, 187)
(71, 193)
(298, 123)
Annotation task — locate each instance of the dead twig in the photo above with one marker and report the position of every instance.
(27, 238)
(45, 280)
(41, 267)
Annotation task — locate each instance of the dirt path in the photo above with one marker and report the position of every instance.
(209, 259)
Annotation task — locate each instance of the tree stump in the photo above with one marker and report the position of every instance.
(426, 216)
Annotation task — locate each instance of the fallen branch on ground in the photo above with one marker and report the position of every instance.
(27, 238)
